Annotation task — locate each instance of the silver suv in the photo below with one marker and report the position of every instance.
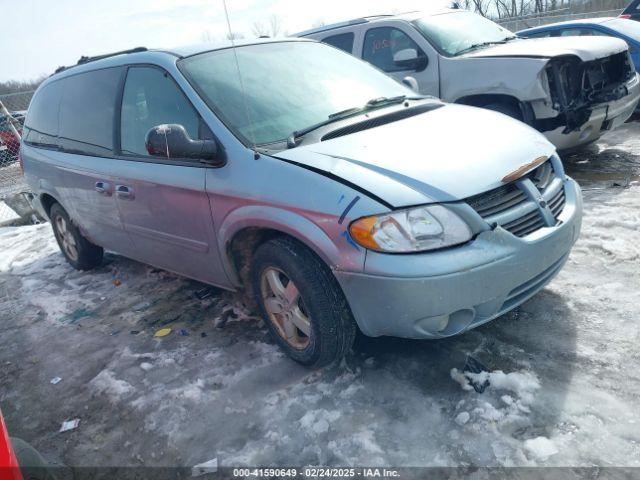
(334, 196)
(571, 89)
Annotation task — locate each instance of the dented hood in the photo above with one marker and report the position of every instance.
(447, 154)
(586, 48)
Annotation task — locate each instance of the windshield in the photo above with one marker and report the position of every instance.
(630, 28)
(288, 86)
(453, 33)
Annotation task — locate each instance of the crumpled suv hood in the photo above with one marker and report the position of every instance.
(447, 154)
(586, 48)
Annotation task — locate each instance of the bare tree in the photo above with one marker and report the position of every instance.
(234, 36)
(15, 86)
(206, 36)
(259, 29)
(275, 23)
(270, 28)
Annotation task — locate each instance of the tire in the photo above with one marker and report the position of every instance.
(506, 108)
(331, 327)
(79, 252)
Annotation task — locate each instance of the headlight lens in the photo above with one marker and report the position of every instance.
(412, 230)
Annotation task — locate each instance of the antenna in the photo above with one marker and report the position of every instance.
(244, 92)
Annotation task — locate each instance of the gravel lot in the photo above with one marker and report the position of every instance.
(565, 379)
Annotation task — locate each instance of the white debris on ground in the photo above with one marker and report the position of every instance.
(563, 369)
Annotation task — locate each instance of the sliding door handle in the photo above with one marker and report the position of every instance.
(123, 191)
(103, 188)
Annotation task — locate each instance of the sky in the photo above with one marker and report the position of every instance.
(43, 34)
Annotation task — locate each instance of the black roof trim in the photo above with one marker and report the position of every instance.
(84, 59)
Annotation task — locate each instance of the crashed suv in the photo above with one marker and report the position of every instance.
(570, 89)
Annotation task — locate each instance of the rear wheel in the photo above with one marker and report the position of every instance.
(301, 303)
(79, 252)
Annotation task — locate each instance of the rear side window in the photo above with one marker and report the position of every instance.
(343, 41)
(41, 127)
(152, 98)
(581, 32)
(87, 112)
(538, 34)
(382, 43)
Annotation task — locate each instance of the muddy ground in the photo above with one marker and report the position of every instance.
(568, 394)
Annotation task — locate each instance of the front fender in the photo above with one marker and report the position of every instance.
(521, 78)
(301, 225)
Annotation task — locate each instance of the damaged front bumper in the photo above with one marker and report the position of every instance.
(586, 98)
(602, 118)
(444, 293)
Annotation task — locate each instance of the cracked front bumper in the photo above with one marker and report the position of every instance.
(603, 118)
(443, 293)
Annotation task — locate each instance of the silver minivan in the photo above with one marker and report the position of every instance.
(333, 195)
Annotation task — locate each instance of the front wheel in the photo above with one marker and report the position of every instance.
(301, 303)
(79, 252)
(505, 108)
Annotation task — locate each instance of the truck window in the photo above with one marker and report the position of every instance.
(343, 41)
(382, 43)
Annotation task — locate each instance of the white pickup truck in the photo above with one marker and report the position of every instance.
(570, 89)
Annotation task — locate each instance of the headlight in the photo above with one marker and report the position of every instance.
(412, 230)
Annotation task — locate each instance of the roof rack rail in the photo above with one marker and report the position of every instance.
(324, 28)
(84, 59)
(348, 23)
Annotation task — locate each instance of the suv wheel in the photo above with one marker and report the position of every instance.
(505, 108)
(79, 252)
(301, 303)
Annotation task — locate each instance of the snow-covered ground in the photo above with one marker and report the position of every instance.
(564, 381)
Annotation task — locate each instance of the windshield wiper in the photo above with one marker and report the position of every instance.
(484, 44)
(373, 103)
(341, 115)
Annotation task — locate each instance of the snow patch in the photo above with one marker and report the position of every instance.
(541, 448)
(106, 383)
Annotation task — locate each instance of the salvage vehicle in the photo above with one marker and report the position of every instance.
(569, 89)
(589, 27)
(333, 195)
(9, 142)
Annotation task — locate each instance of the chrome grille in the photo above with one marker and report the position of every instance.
(526, 224)
(556, 204)
(510, 207)
(498, 200)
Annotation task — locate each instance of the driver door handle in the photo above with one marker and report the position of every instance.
(124, 191)
(103, 188)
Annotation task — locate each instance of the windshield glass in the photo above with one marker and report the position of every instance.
(454, 32)
(288, 86)
(630, 28)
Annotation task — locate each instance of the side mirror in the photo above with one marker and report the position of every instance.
(412, 83)
(408, 59)
(173, 141)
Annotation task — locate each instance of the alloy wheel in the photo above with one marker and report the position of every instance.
(285, 307)
(66, 238)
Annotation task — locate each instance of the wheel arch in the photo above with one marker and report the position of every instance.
(484, 99)
(246, 228)
(47, 200)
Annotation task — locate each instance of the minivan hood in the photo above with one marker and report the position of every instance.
(447, 154)
(586, 48)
